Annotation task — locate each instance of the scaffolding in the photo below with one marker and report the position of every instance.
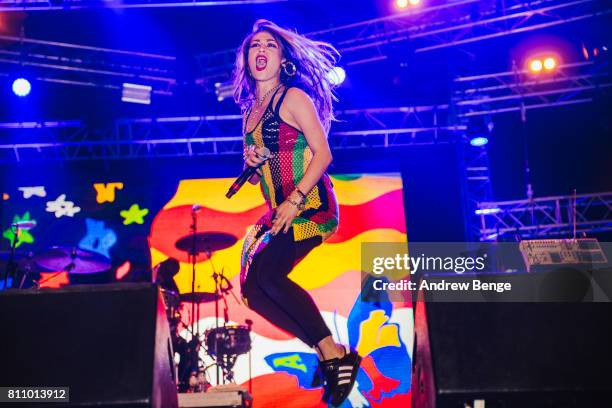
(430, 28)
(214, 135)
(80, 65)
(558, 216)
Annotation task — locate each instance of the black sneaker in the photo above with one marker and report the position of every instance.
(339, 377)
(317, 377)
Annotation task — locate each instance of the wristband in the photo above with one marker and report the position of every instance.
(297, 190)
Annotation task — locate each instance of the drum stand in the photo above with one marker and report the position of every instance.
(195, 301)
(222, 341)
(219, 291)
(224, 362)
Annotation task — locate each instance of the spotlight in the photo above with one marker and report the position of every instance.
(486, 211)
(336, 76)
(550, 63)
(544, 63)
(535, 65)
(224, 90)
(402, 4)
(21, 87)
(479, 141)
(136, 93)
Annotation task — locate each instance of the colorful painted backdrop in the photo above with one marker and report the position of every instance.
(371, 210)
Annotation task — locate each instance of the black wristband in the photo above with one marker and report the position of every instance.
(301, 194)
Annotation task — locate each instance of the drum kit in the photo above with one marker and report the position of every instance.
(25, 268)
(223, 344)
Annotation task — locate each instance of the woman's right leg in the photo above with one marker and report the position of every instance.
(264, 306)
(273, 295)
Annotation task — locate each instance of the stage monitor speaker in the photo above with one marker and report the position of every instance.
(110, 344)
(494, 354)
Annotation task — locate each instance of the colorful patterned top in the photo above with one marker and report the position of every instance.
(281, 174)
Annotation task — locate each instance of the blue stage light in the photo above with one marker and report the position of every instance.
(337, 75)
(479, 141)
(21, 87)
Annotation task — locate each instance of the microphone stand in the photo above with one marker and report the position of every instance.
(249, 323)
(216, 321)
(195, 323)
(10, 265)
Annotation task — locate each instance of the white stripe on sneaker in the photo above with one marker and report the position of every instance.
(344, 382)
(341, 375)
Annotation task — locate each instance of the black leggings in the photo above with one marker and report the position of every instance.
(274, 296)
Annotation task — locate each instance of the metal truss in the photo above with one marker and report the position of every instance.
(421, 29)
(457, 23)
(214, 135)
(521, 90)
(72, 64)
(480, 97)
(478, 187)
(41, 5)
(431, 28)
(546, 216)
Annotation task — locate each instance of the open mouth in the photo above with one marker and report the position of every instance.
(261, 62)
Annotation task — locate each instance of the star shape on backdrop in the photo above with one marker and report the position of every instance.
(98, 238)
(134, 215)
(38, 191)
(61, 207)
(105, 192)
(23, 237)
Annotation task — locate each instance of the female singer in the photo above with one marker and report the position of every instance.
(282, 85)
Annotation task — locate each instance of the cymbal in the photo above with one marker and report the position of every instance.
(199, 297)
(72, 260)
(206, 242)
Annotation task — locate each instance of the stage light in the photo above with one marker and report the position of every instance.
(402, 4)
(224, 90)
(550, 63)
(337, 76)
(479, 141)
(136, 93)
(535, 65)
(21, 87)
(487, 211)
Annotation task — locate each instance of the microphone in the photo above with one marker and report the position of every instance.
(195, 208)
(247, 174)
(24, 225)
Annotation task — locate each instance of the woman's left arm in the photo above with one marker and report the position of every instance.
(302, 112)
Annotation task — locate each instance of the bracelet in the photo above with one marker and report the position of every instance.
(297, 190)
(300, 206)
